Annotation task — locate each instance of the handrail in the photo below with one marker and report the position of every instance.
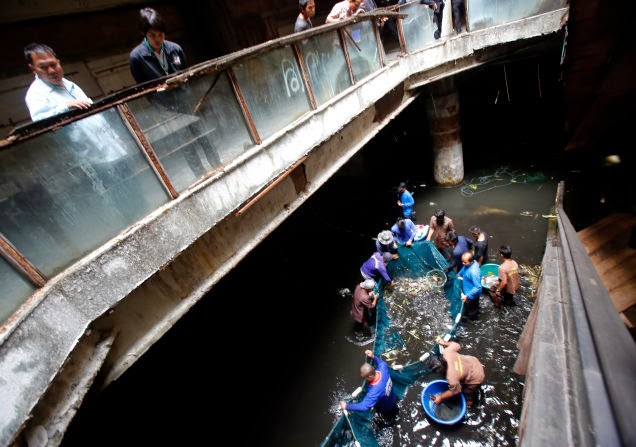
(576, 353)
(134, 133)
(607, 351)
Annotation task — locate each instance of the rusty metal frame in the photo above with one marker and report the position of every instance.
(243, 104)
(305, 75)
(14, 257)
(145, 146)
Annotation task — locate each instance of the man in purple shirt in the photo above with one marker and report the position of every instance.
(375, 267)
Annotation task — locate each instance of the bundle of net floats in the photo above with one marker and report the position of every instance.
(424, 304)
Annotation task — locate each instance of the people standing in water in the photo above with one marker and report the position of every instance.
(375, 267)
(470, 277)
(459, 245)
(386, 243)
(508, 283)
(363, 305)
(307, 11)
(464, 373)
(480, 245)
(439, 226)
(406, 202)
(404, 232)
(380, 393)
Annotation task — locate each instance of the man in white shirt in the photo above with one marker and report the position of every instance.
(344, 10)
(50, 93)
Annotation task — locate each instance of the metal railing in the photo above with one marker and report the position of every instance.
(72, 182)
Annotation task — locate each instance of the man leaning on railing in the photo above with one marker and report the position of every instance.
(50, 92)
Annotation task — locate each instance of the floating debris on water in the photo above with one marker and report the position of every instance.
(425, 312)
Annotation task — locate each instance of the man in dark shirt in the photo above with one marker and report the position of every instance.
(155, 56)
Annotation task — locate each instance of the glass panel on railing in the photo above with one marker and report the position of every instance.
(326, 64)
(363, 48)
(273, 89)
(15, 290)
(66, 192)
(418, 26)
(486, 13)
(194, 129)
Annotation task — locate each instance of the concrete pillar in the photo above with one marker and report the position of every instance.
(443, 114)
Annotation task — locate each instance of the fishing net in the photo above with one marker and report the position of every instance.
(424, 303)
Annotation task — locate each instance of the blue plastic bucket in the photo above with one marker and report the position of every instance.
(450, 411)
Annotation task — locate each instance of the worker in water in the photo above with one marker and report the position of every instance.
(464, 373)
(380, 394)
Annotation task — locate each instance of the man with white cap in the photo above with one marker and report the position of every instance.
(363, 305)
(386, 244)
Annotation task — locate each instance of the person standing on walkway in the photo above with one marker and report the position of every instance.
(460, 245)
(470, 276)
(363, 305)
(438, 14)
(464, 373)
(50, 93)
(480, 245)
(406, 202)
(380, 393)
(307, 11)
(155, 56)
(459, 14)
(503, 291)
(439, 226)
(375, 267)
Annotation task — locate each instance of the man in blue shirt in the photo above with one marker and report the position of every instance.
(404, 231)
(406, 201)
(470, 275)
(460, 245)
(380, 394)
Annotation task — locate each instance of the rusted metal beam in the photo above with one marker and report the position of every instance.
(269, 187)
